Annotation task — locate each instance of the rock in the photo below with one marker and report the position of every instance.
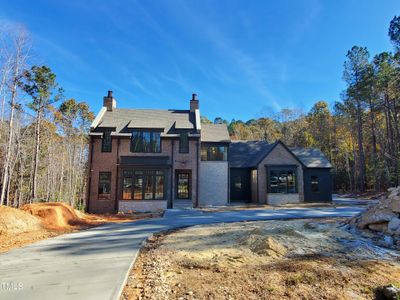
(377, 214)
(395, 204)
(382, 227)
(391, 292)
(394, 225)
(388, 240)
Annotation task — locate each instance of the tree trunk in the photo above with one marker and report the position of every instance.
(361, 161)
(36, 156)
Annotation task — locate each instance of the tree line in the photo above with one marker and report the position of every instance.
(43, 135)
(359, 134)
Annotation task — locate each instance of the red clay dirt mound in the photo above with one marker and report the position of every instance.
(15, 221)
(56, 215)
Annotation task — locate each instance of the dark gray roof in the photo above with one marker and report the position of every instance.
(311, 157)
(214, 133)
(168, 120)
(247, 154)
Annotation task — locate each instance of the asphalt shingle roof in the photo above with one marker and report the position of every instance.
(214, 133)
(311, 157)
(247, 154)
(169, 120)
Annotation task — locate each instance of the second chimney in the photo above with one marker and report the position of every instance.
(109, 101)
(194, 103)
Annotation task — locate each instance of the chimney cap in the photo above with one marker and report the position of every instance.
(109, 94)
(194, 97)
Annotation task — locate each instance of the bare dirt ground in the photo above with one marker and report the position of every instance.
(39, 221)
(299, 259)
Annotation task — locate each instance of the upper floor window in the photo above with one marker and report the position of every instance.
(146, 141)
(106, 142)
(282, 180)
(184, 143)
(214, 153)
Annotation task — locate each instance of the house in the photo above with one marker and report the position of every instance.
(145, 159)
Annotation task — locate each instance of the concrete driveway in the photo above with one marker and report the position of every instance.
(94, 264)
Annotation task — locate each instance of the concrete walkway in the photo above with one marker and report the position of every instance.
(93, 264)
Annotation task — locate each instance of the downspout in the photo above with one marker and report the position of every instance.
(258, 192)
(172, 176)
(87, 208)
(197, 171)
(229, 179)
(117, 179)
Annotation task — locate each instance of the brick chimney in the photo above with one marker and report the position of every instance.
(109, 101)
(194, 103)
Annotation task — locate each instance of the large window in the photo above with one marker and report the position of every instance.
(104, 192)
(281, 180)
(106, 142)
(214, 153)
(146, 141)
(184, 143)
(143, 185)
(183, 185)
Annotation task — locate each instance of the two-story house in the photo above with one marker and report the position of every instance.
(144, 159)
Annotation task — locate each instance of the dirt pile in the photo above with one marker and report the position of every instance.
(55, 215)
(260, 244)
(15, 221)
(383, 218)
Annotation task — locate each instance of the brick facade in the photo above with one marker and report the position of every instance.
(109, 162)
(279, 156)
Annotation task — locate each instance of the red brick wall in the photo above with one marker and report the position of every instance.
(107, 162)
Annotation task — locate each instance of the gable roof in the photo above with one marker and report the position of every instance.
(248, 154)
(312, 157)
(215, 133)
(170, 121)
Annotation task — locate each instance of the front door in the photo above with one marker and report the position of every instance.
(183, 184)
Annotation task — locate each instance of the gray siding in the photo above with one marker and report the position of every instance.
(213, 183)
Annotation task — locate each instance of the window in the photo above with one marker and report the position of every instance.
(282, 181)
(214, 153)
(104, 186)
(184, 143)
(146, 141)
(106, 142)
(183, 185)
(314, 184)
(143, 185)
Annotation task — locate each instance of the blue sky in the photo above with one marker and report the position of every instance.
(244, 59)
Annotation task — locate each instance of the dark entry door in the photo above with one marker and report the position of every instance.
(240, 185)
(183, 184)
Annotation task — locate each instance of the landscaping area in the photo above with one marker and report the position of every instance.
(298, 259)
(34, 222)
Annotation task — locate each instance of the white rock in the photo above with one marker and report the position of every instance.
(388, 240)
(394, 225)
